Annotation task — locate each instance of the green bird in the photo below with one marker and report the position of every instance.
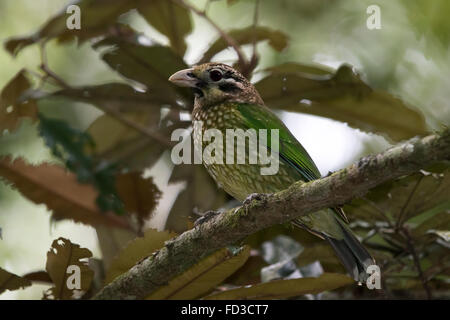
(225, 99)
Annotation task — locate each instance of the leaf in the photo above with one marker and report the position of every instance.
(137, 250)
(277, 40)
(62, 255)
(430, 18)
(321, 252)
(434, 222)
(170, 19)
(139, 195)
(59, 190)
(343, 97)
(10, 281)
(148, 64)
(12, 110)
(97, 18)
(201, 194)
(409, 196)
(117, 143)
(204, 276)
(69, 145)
(249, 273)
(281, 289)
(121, 96)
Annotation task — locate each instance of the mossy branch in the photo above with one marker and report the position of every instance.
(267, 210)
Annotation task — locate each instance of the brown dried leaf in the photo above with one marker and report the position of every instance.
(59, 190)
(62, 256)
(11, 108)
(10, 281)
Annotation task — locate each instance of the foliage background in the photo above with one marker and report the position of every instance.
(409, 58)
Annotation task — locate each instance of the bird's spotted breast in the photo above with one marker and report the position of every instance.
(239, 180)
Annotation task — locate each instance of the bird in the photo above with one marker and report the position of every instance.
(224, 99)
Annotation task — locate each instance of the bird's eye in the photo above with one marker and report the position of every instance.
(215, 75)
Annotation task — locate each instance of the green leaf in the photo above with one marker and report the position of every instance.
(277, 40)
(137, 250)
(281, 289)
(170, 19)
(10, 281)
(430, 17)
(12, 109)
(204, 276)
(343, 97)
(61, 257)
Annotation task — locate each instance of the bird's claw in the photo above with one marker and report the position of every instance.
(205, 217)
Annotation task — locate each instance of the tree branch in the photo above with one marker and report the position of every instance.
(261, 212)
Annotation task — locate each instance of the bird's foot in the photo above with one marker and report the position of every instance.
(251, 197)
(205, 217)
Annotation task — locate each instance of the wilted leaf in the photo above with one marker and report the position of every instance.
(65, 262)
(280, 289)
(97, 18)
(170, 19)
(277, 40)
(137, 250)
(59, 190)
(139, 195)
(10, 281)
(343, 97)
(12, 109)
(204, 276)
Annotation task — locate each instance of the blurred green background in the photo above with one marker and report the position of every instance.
(408, 57)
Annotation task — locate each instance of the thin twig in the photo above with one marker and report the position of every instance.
(412, 250)
(403, 210)
(243, 62)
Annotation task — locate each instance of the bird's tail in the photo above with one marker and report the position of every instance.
(352, 254)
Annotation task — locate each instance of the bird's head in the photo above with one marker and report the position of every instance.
(215, 83)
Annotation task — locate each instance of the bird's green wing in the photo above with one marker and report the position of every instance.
(290, 150)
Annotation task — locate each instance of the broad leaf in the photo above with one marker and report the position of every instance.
(65, 262)
(281, 289)
(139, 195)
(407, 196)
(137, 250)
(170, 19)
(97, 17)
(146, 63)
(10, 281)
(12, 109)
(59, 190)
(201, 194)
(277, 40)
(204, 276)
(343, 97)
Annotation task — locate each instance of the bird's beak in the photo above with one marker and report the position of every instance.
(184, 78)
